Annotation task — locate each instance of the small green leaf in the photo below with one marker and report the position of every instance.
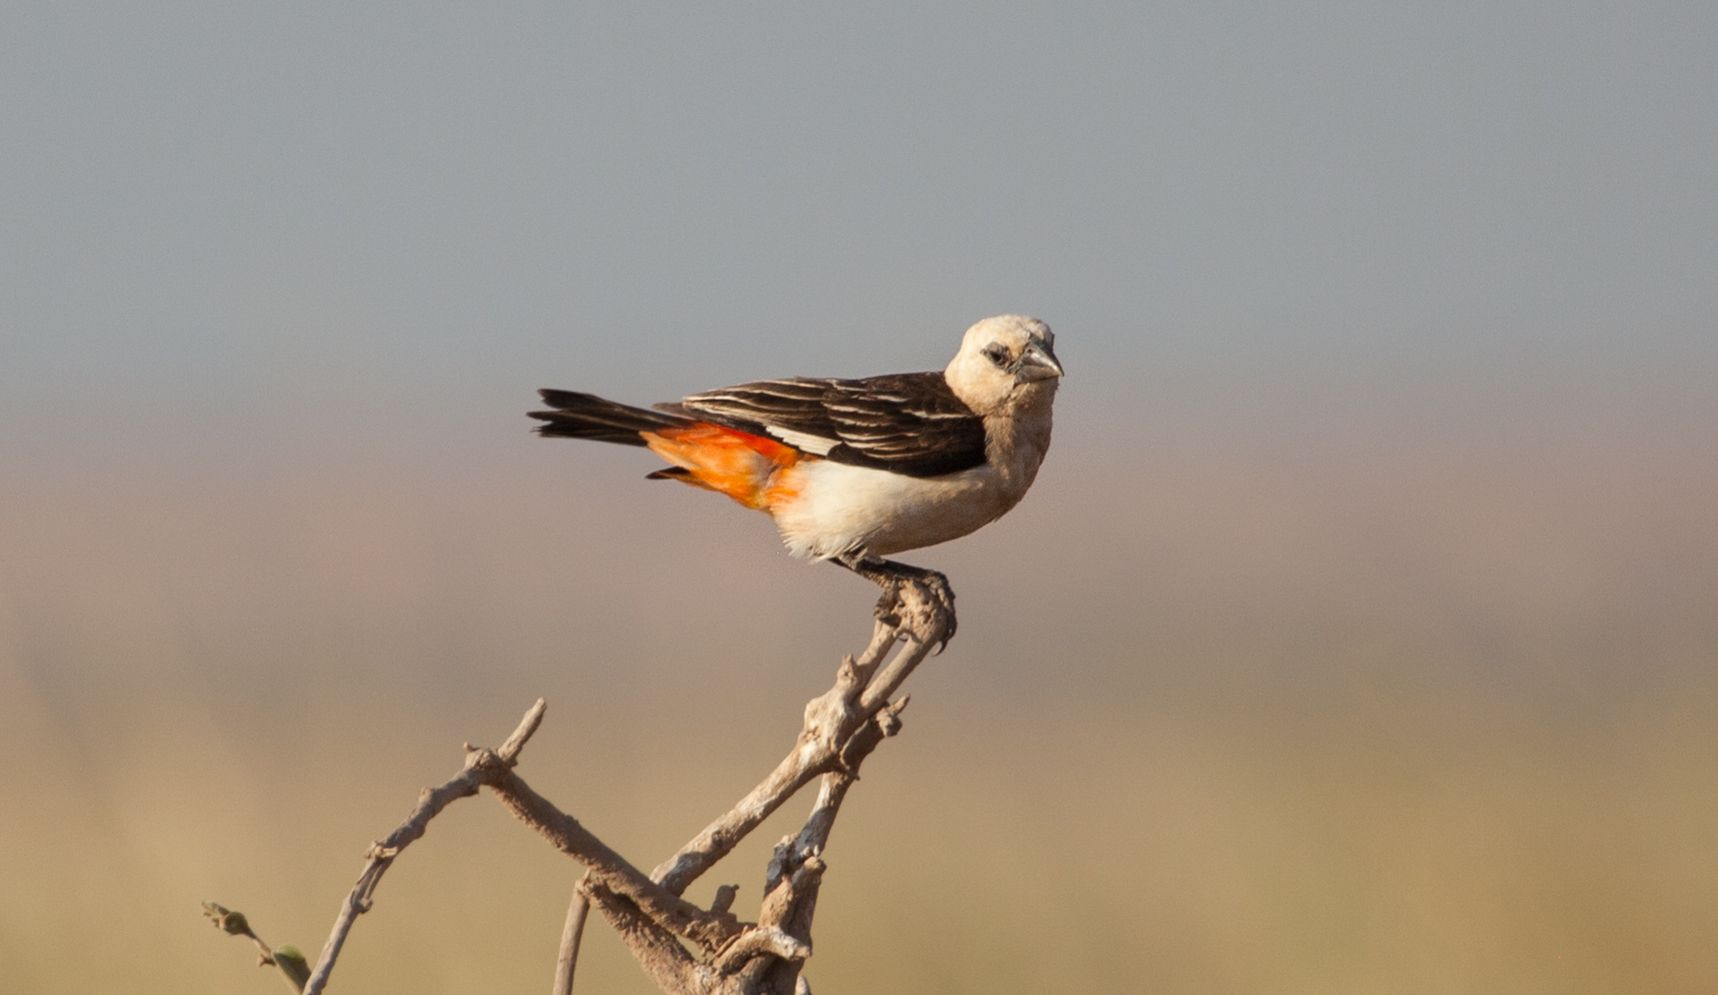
(292, 964)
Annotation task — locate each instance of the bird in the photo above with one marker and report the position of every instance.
(853, 471)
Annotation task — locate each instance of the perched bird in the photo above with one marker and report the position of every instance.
(854, 470)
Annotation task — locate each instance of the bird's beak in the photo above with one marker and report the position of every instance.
(1037, 363)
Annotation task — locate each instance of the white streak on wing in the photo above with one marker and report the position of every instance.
(873, 411)
(803, 441)
(716, 397)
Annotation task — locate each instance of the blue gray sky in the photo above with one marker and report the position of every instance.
(231, 225)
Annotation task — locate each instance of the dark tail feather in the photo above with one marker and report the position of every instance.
(587, 416)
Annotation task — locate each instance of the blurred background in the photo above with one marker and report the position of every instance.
(1359, 635)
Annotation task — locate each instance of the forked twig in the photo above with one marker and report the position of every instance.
(381, 854)
(683, 947)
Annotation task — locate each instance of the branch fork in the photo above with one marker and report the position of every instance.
(683, 947)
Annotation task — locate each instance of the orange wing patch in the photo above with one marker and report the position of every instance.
(755, 471)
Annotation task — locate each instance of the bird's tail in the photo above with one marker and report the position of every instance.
(587, 416)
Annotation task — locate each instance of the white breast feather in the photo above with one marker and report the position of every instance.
(843, 507)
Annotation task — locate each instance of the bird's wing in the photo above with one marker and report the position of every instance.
(909, 423)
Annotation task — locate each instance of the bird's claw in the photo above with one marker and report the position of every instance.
(925, 608)
(889, 602)
(915, 603)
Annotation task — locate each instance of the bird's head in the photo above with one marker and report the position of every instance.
(1004, 363)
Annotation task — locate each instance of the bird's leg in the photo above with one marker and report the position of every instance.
(915, 601)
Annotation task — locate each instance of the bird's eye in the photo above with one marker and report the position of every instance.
(998, 353)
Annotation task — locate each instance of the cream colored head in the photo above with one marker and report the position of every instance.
(1005, 362)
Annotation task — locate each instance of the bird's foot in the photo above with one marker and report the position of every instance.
(926, 608)
(916, 602)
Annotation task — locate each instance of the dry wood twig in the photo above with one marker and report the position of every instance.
(685, 948)
(572, 933)
(381, 854)
(836, 723)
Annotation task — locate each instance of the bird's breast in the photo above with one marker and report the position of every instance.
(837, 507)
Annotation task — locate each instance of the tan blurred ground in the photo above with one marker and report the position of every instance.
(1380, 714)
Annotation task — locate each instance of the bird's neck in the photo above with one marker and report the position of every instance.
(1016, 439)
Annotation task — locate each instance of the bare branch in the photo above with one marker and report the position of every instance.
(724, 899)
(572, 933)
(607, 867)
(655, 949)
(509, 751)
(861, 691)
(759, 942)
(726, 956)
(381, 855)
(377, 861)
